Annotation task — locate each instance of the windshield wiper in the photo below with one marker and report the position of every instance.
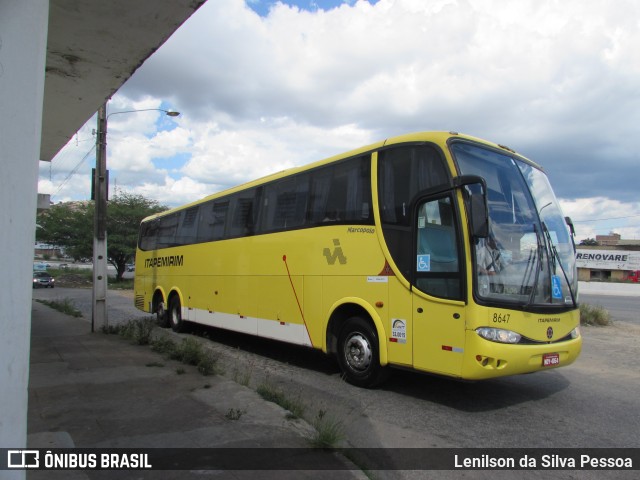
(538, 268)
(558, 261)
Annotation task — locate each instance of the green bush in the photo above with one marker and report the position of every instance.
(163, 345)
(208, 363)
(139, 331)
(594, 315)
(189, 351)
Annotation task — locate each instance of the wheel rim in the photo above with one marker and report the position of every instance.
(357, 352)
(175, 316)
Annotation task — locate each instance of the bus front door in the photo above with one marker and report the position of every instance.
(438, 336)
(438, 306)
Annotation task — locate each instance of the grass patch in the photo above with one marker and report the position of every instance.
(234, 414)
(594, 315)
(207, 364)
(66, 306)
(242, 377)
(124, 284)
(189, 352)
(164, 346)
(154, 364)
(329, 431)
(139, 331)
(74, 277)
(273, 394)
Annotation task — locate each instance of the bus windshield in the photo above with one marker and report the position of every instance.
(528, 257)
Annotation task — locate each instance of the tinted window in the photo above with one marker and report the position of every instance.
(148, 234)
(212, 220)
(187, 226)
(284, 203)
(244, 214)
(403, 172)
(342, 193)
(166, 233)
(339, 192)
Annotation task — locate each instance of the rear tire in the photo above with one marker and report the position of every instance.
(162, 318)
(359, 354)
(175, 315)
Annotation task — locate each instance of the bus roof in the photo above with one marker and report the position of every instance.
(427, 136)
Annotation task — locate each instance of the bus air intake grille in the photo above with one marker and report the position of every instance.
(139, 301)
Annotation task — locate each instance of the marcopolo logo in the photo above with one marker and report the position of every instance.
(336, 254)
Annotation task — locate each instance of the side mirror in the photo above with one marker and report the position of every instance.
(479, 215)
(571, 227)
(478, 209)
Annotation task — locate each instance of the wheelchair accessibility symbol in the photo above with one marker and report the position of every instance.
(556, 287)
(424, 263)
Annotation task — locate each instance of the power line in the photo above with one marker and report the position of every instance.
(75, 169)
(603, 219)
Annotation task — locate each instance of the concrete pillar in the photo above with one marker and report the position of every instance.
(23, 44)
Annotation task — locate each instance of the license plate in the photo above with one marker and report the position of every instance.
(550, 359)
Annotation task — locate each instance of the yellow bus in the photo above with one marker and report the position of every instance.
(434, 251)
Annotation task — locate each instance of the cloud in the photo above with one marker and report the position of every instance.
(557, 81)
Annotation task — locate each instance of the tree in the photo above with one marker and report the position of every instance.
(589, 242)
(70, 225)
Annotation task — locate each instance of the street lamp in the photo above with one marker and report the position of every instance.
(100, 189)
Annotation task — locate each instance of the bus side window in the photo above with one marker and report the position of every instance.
(244, 208)
(166, 235)
(437, 264)
(188, 226)
(219, 219)
(285, 203)
(403, 172)
(212, 220)
(341, 193)
(148, 235)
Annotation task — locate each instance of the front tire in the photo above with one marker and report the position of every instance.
(359, 354)
(175, 315)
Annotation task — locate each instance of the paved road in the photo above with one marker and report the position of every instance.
(593, 403)
(120, 306)
(626, 309)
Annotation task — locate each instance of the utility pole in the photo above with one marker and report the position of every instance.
(100, 188)
(100, 193)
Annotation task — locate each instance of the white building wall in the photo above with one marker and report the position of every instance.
(23, 39)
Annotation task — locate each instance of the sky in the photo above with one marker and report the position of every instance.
(266, 85)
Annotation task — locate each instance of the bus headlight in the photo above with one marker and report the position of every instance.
(498, 335)
(575, 333)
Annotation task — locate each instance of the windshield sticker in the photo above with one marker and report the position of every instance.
(398, 331)
(556, 287)
(424, 263)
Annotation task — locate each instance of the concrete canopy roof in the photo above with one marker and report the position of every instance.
(93, 47)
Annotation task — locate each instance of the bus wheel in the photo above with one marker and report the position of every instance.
(175, 315)
(162, 319)
(358, 354)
